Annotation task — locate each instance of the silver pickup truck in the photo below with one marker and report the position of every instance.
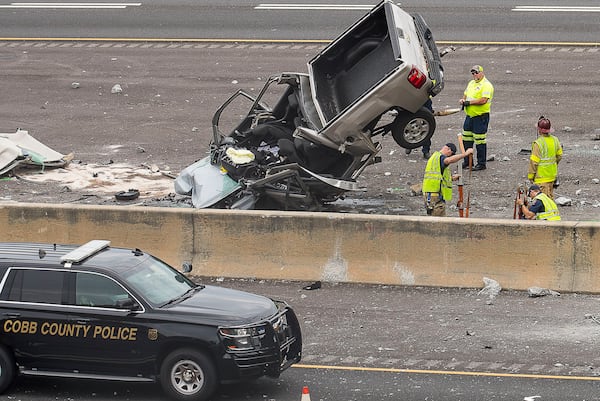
(312, 144)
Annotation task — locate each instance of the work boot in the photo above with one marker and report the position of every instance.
(479, 167)
(426, 155)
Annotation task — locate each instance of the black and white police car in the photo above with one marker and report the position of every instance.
(100, 312)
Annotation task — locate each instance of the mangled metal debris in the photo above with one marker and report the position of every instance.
(20, 149)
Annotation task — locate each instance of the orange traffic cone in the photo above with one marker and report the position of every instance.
(305, 394)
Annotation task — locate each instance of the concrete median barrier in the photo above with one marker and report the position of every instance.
(402, 250)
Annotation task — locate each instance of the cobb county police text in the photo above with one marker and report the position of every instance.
(70, 330)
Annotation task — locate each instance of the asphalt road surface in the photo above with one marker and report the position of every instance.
(453, 20)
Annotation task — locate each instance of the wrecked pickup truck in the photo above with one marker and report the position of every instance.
(312, 144)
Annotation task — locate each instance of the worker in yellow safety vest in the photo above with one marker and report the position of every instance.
(542, 207)
(546, 153)
(477, 102)
(437, 182)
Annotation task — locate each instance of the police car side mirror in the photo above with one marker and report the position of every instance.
(187, 267)
(128, 303)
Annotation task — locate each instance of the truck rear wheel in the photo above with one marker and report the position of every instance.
(188, 375)
(412, 130)
(8, 369)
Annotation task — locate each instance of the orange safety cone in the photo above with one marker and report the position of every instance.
(305, 394)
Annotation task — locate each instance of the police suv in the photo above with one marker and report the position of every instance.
(100, 312)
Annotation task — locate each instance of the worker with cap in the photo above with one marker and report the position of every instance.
(437, 182)
(546, 153)
(542, 206)
(476, 102)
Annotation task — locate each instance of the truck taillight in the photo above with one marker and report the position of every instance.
(416, 77)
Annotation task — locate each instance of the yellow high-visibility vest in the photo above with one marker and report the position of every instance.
(436, 181)
(477, 90)
(547, 167)
(550, 209)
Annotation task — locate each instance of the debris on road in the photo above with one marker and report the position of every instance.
(314, 286)
(563, 201)
(116, 89)
(492, 289)
(541, 292)
(131, 194)
(21, 149)
(107, 179)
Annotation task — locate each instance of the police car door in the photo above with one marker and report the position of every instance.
(35, 319)
(116, 340)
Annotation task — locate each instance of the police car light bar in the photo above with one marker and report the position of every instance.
(84, 251)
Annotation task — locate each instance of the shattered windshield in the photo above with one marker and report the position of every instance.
(157, 282)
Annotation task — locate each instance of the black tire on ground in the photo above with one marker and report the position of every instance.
(412, 130)
(8, 369)
(188, 375)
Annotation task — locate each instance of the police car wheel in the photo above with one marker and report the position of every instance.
(188, 375)
(8, 369)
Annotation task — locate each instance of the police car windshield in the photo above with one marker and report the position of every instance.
(157, 282)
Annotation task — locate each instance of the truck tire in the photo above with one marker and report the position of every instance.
(187, 375)
(8, 369)
(412, 130)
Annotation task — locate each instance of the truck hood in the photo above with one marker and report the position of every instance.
(226, 306)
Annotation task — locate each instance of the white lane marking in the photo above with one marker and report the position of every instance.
(277, 6)
(580, 9)
(70, 5)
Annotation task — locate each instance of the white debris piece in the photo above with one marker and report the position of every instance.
(541, 292)
(75, 85)
(116, 89)
(563, 201)
(492, 288)
(595, 180)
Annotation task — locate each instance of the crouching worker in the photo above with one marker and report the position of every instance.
(542, 207)
(437, 182)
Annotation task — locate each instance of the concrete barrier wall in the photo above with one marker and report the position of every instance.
(329, 246)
